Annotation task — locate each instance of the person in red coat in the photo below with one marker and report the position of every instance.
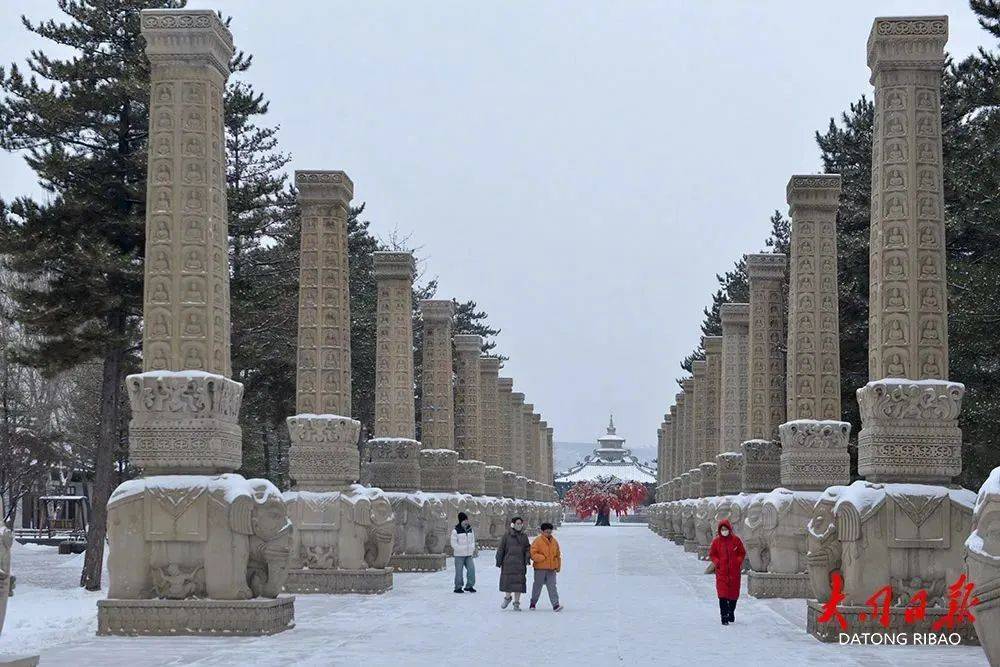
(727, 553)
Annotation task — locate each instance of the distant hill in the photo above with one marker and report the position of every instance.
(566, 454)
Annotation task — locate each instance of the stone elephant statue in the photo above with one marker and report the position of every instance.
(982, 564)
(687, 520)
(785, 516)
(419, 521)
(438, 527)
(704, 525)
(908, 536)
(754, 537)
(351, 530)
(823, 554)
(221, 537)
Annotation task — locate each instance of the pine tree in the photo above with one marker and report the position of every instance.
(82, 123)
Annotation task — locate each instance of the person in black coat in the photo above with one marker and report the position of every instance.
(513, 556)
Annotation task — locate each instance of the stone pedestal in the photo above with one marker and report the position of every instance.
(509, 484)
(324, 452)
(685, 486)
(729, 473)
(814, 454)
(471, 477)
(761, 465)
(493, 481)
(418, 562)
(218, 618)
(709, 477)
(694, 483)
(909, 431)
(521, 487)
(391, 464)
(779, 585)
(438, 470)
(860, 622)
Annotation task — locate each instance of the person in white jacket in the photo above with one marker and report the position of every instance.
(463, 545)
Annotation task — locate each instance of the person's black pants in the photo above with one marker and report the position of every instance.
(727, 608)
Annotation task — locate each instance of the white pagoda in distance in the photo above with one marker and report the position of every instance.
(610, 459)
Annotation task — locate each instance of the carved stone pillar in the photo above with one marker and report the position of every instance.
(543, 438)
(471, 477)
(733, 422)
(908, 310)
(713, 381)
(517, 432)
(439, 470)
(184, 429)
(688, 453)
(814, 442)
(766, 388)
(674, 441)
(394, 405)
(468, 348)
(504, 437)
(489, 419)
(534, 446)
(549, 479)
(527, 451)
(324, 439)
(437, 401)
(699, 411)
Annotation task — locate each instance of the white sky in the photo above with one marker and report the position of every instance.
(581, 169)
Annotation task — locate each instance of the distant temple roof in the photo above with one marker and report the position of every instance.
(610, 459)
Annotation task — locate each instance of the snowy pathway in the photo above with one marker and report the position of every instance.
(631, 598)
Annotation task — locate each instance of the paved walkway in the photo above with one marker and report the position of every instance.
(631, 598)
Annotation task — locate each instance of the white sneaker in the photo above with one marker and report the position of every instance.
(506, 601)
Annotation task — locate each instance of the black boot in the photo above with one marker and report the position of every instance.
(724, 610)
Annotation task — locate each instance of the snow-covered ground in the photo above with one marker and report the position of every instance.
(631, 598)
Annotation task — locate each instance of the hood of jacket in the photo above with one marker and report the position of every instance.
(724, 524)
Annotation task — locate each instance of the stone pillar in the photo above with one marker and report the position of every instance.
(549, 456)
(660, 463)
(527, 451)
(489, 426)
(687, 453)
(184, 404)
(471, 477)
(535, 446)
(468, 348)
(733, 423)
(439, 470)
(713, 381)
(394, 404)
(908, 309)
(437, 400)
(324, 439)
(543, 437)
(814, 440)
(505, 387)
(517, 432)
(673, 439)
(509, 484)
(493, 481)
(699, 408)
(766, 388)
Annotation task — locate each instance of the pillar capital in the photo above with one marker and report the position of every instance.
(765, 266)
(819, 191)
(394, 265)
(711, 344)
(489, 365)
(187, 35)
(734, 314)
(316, 186)
(907, 42)
(468, 343)
(505, 384)
(437, 310)
(517, 397)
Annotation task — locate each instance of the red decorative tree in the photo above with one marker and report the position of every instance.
(601, 496)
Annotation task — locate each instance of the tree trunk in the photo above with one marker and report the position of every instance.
(603, 518)
(107, 444)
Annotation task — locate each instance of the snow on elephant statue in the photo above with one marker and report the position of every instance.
(183, 536)
(351, 530)
(982, 564)
(908, 536)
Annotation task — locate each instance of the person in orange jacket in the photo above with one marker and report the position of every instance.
(547, 561)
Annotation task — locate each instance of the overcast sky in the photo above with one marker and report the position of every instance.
(581, 169)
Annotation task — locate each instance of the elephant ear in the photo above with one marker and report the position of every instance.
(363, 512)
(241, 515)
